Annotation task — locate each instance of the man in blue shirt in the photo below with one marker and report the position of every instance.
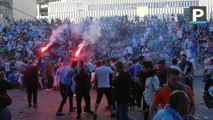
(178, 105)
(59, 76)
(139, 84)
(66, 84)
(12, 77)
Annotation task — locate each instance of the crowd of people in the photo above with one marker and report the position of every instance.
(140, 63)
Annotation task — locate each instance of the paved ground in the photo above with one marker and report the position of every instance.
(48, 103)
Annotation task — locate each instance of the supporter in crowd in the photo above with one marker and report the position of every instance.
(174, 83)
(187, 68)
(49, 70)
(122, 84)
(162, 70)
(140, 82)
(30, 79)
(102, 74)
(152, 85)
(5, 100)
(121, 39)
(83, 86)
(66, 84)
(209, 76)
(178, 105)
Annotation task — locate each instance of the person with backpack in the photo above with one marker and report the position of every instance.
(152, 85)
(174, 83)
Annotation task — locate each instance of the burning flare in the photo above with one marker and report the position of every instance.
(80, 47)
(44, 48)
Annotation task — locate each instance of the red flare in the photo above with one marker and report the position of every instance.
(79, 49)
(43, 49)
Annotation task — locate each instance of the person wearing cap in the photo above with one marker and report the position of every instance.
(122, 84)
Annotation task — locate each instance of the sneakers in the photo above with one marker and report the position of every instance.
(60, 114)
(94, 117)
(78, 117)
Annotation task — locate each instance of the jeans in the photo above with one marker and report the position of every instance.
(122, 111)
(5, 114)
(67, 92)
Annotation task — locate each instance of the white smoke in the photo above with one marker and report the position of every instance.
(92, 35)
(56, 33)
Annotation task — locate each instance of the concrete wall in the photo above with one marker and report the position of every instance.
(24, 9)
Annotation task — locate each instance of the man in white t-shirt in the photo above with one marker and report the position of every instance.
(180, 34)
(102, 74)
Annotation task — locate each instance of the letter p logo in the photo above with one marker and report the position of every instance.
(197, 14)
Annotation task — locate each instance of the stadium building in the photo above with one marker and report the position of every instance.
(18, 9)
(78, 9)
(6, 8)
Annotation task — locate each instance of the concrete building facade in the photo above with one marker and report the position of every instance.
(24, 9)
(78, 9)
(6, 9)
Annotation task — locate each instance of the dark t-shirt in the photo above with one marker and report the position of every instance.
(4, 86)
(183, 64)
(122, 85)
(83, 80)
